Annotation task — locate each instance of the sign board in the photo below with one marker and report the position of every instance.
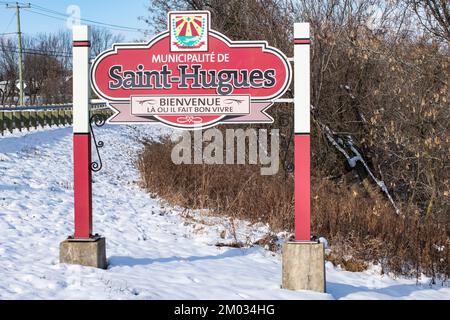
(191, 77)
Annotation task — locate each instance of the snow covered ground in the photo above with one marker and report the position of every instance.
(154, 251)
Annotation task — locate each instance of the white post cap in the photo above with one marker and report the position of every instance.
(81, 33)
(301, 30)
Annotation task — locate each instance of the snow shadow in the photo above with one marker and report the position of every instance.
(120, 261)
(23, 141)
(341, 291)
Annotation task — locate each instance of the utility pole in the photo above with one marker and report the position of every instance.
(19, 34)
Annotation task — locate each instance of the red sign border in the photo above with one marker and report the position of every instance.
(256, 44)
(237, 44)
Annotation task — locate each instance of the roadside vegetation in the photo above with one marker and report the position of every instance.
(47, 65)
(380, 131)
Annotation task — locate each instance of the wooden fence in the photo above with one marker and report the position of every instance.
(32, 117)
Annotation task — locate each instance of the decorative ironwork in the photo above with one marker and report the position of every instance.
(284, 122)
(99, 121)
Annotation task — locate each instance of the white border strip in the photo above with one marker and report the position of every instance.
(301, 80)
(81, 83)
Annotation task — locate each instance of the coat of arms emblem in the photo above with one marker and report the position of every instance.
(189, 31)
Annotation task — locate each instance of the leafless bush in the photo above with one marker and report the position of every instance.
(234, 190)
(364, 229)
(379, 78)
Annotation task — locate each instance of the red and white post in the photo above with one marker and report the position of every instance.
(302, 193)
(81, 134)
(83, 248)
(303, 259)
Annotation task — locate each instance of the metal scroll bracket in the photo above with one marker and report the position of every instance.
(99, 121)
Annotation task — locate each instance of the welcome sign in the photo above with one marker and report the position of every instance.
(191, 77)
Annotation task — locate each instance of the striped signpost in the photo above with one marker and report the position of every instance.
(302, 191)
(303, 259)
(81, 133)
(83, 247)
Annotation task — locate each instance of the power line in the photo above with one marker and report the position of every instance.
(38, 53)
(6, 48)
(64, 19)
(10, 21)
(37, 50)
(12, 48)
(87, 20)
(36, 9)
(63, 16)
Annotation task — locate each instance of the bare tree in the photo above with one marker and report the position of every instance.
(103, 39)
(8, 70)
(240, 20)
(434, 15)
(47, 65)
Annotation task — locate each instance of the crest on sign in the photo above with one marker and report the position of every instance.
(189, 31)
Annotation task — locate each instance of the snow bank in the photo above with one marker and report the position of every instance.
(154, 251)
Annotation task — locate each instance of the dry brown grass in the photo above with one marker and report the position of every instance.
(359, 227)
(362, 229)
(234, 190)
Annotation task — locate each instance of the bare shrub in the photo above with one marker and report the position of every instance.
(379, 72)
(365, 229)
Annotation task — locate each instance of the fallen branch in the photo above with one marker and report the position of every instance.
(353, 156)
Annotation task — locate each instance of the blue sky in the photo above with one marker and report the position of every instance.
(117, 12)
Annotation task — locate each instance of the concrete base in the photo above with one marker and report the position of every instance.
(90, 253)
(304, 266)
